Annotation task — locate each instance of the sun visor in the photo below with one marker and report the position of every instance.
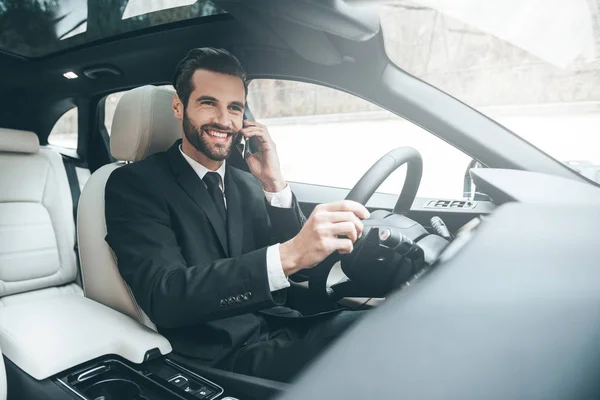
(337, 17)
(304, 25)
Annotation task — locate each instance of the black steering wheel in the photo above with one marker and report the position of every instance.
(363, 191)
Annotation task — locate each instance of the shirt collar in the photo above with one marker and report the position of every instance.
(201, 170)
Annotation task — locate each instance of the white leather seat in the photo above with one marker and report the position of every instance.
(3, 388)
(143, 124)
(37, 231)
(46, 325)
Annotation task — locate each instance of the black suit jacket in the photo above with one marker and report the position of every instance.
(202, 283)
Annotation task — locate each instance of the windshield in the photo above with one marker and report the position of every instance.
(532, 65)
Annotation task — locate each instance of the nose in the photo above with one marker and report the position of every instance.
(224, 118)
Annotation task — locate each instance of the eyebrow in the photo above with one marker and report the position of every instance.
(210, 98)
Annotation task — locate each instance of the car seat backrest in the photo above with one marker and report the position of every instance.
(3, 389)
(37, 231)
(143, 124)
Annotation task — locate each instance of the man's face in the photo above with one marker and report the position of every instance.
(214, 113)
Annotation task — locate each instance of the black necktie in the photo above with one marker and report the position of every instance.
(212, 180)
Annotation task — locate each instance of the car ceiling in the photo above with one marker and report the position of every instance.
(36, 87)
(316, 45)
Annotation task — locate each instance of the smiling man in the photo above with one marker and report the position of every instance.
(206, 248)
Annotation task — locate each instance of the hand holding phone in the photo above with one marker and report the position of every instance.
(257, 148)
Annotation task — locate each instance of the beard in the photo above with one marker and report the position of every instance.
(197, 138)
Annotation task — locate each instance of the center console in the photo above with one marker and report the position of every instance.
(71, 347)
(116, 379)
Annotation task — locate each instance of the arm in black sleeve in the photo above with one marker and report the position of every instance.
(286, 222)
(172, 293)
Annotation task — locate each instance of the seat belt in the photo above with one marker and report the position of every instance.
(73, 185)
(75, 193)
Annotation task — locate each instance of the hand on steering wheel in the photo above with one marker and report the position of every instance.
(331, 228)
(362, 192)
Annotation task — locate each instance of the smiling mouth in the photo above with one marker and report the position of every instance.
(217, 134)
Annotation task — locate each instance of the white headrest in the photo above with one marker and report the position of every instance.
(144, 124)
(13, 141)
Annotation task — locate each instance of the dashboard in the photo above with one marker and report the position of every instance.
(505, 185)
(508, 311)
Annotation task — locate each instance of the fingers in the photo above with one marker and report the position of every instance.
(248, 122)
(342, 246)
(347, 216)
(254, 131)
(260, 133)
(347, 205)
(253, 128)
(347, 229)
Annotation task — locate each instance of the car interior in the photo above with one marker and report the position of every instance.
(497, 295)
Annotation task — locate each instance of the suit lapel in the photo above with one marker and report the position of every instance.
(191, 183)
(234, 214)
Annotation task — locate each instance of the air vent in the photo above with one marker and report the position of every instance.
(442, 203)
(450, 204)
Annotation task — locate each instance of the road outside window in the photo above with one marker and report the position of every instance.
(328, 137)
(64, 132)
(533, 66)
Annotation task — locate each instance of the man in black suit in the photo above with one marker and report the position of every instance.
(206, 248)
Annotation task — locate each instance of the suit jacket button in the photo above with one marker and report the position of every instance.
(223, 303)
(239, 298)
(231, 301)
(249, 294)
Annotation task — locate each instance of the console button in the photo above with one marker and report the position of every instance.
(204, 392)
(179, 381)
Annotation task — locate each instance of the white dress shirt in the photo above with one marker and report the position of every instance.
(283, 199)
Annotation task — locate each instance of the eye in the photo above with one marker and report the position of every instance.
(236, 108)
(208, 103)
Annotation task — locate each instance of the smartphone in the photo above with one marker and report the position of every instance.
(245, 146)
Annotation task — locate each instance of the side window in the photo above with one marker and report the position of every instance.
(328, 137)
(64, 132)
(110, 105)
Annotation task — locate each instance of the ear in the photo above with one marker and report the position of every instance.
(177, 107)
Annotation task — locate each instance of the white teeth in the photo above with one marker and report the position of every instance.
(217, 134)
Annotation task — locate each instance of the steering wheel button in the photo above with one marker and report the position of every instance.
(384, 234)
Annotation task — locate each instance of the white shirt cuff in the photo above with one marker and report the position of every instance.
(277, 279)
(281, 199)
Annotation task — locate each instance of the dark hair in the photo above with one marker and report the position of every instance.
(208, 58)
